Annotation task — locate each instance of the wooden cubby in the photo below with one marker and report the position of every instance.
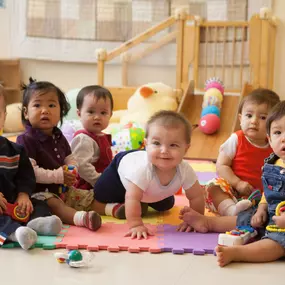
(10, 78)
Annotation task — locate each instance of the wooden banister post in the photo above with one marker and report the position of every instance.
(180, 16)
(101, 55)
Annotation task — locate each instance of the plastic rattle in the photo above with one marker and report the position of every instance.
(279, 209)
(74, 258)
(13, 211)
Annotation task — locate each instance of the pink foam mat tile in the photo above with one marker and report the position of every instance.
(109, 237)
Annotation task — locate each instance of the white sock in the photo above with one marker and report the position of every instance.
(243, 205)
(109, 208)
(48, 226)
(25, 236)
(78, 218)
(227, 208)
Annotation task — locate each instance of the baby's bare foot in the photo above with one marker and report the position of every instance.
(196, 221)
(225, 255)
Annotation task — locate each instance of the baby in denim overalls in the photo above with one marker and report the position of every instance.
(271, 246)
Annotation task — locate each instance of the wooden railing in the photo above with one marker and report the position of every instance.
(236, 52)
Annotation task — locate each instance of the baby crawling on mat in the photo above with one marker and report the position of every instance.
(150, 177)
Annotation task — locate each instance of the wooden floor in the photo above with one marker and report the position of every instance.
(207, 146)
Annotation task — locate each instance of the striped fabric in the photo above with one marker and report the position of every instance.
(3, 237)
(11, 162)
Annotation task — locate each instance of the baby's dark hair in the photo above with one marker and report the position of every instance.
(170, 119)
(3, 95)
(43, 87)
(260, 96)
(275, 114)
(97, 91)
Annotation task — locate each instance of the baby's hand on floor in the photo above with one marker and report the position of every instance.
(184, 227)
(183, 211)
(259, 219)
(244, 188)
(25, 204)
(68, 177)
(279, 220)
(139, 232)
(3, 203)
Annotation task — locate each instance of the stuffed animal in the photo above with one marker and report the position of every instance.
(13, 122)
(147, 100)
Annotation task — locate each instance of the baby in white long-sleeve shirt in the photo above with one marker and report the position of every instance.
(92, 148)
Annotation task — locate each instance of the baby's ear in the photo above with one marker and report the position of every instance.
(239, 117)
(78, 113)
(25, 112)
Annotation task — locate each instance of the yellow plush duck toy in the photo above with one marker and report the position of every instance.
(147, 100)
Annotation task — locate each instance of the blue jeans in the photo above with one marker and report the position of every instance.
(273, 178)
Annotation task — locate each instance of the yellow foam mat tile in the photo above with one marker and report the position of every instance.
(204, 167)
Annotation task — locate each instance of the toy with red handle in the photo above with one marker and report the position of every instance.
(12, 210)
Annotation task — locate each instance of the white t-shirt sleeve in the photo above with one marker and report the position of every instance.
(189, 176)
(135, 168)
(229, 147)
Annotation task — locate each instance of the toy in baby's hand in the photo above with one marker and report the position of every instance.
(147, 100)
(63, 188)
(13, 211)
(74, 258)
(212, 103)
(280, 209)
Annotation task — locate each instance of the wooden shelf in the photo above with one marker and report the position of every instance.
(10, 78)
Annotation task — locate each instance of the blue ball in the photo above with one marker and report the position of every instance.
(211, 110)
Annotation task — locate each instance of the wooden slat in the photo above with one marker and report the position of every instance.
(215, 49)
(125, 73)
(272, 55)
(100, 72)
(196, 54)
(224, 24)
(179, 52)
(206, 52)
(242, 56)
(254, 49)
(141, 38)
(233, 55)
(224, 52)
(264, 54)
(189, 46)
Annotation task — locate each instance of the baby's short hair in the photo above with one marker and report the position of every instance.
(170, 119)
(97, 91)
(3, 95)
(260, 96)
(275, 114)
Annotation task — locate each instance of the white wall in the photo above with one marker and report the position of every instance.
(75, 75)
(4, 32)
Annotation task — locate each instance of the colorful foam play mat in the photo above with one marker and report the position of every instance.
(166, 238)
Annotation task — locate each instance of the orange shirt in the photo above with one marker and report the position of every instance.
(249, 160)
